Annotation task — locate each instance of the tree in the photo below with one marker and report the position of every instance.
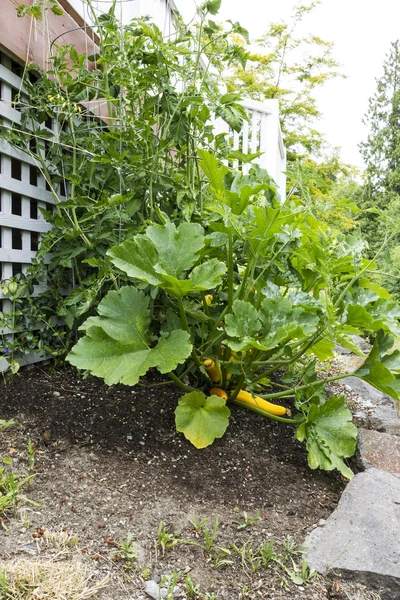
(290, 67)
(381, 150)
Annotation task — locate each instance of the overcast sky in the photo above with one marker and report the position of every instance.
(361, 31)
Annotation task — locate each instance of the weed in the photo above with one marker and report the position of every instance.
(219, 557)
(247, 521)
(267, 552)
(127, 551)
(31, 455)
(60, 540)
(251, 560)
(25, 518)
(198, 524)
(10, 488)
(6, 424)
(192, 588)
(169, 583)
(291, 547)
(209, 535)
(165, 539)
(145, 574)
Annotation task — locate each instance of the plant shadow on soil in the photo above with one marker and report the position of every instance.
(109, 462)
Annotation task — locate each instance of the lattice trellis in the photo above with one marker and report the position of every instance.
(23, 191)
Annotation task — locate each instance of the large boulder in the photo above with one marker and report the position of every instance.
(361, 539)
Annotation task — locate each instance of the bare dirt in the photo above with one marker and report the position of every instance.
(108, 463)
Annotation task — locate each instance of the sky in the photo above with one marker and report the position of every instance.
(361, 31)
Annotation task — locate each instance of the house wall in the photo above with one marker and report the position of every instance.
(29, 39)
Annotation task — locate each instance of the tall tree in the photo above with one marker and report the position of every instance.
(289, 67)
(381, 150)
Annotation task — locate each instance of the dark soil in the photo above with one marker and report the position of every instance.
(109, 462)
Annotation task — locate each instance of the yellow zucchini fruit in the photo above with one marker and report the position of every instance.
(215, 391)
(212, 370)
(273, 409)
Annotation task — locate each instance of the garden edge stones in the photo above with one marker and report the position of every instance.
(361, 539)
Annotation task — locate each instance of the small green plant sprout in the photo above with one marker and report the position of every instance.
(23, 514)
(220, 557)
(267, 552)
(168, 585)
(290, 546)
(31, 455)
(301, 575)
(191, 587)
(6, 424)
(198, 525)
(3, 584)
(127, 551)
(10, 488)
(146, 572)
(250, 559)
(247, 521)
(209, 535)
(165, 539)
(211, 596)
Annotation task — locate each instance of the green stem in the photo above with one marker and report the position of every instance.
(180, 384)
(230, 271)
(293, 390)
(237, 388)
(186, 327)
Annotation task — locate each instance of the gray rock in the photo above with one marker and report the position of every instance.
(341, 350)
(157, 592)
(365, 390)
(361, 343)
(153, 590)
(361, 539)
(375, 409)
(379, 450)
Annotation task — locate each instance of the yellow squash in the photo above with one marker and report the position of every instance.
(273, 409)
(212, 370)
(215, 391)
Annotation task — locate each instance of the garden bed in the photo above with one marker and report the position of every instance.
(109, 462)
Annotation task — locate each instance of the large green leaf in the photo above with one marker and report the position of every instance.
(244, 322)
(359, 316)
(376, 368)
(201, 419)
(163, 257)
(214, 172)
(177, 248)
(330, 434)
(117, 347)
(275, 323)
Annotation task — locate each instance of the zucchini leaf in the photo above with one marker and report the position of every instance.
(201, 419)
(381, 369)
(275, 323)
(330, 435)
(163, 257)
(117, 346)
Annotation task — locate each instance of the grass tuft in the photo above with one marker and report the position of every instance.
(40, 580)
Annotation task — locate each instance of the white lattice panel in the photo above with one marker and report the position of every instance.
(22, 192)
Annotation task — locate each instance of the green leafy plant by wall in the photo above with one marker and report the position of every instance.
(250, 289)
(126, 123)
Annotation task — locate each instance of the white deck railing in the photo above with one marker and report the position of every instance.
(261, 133)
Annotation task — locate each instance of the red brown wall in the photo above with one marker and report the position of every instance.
(29, 40)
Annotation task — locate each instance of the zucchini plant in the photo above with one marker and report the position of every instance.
(237, 305)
